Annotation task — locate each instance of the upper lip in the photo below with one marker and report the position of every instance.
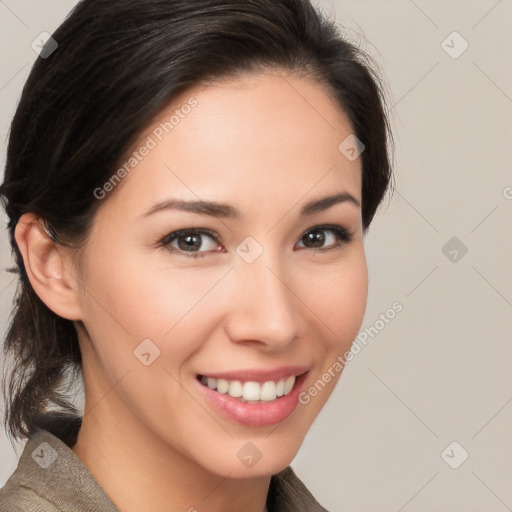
(259, 375)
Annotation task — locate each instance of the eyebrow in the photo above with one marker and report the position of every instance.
(221, 210)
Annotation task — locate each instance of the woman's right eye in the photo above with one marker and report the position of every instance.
(187, 242)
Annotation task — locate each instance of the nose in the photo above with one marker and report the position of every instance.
(263, 307)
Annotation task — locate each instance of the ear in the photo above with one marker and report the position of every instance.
(48, 267)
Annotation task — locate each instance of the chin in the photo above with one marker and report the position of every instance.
(252, 457)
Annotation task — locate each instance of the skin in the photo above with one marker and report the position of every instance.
(266, 144)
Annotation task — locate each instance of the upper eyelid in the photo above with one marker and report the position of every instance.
(202, 231)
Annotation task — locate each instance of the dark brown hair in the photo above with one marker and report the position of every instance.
(118, 63)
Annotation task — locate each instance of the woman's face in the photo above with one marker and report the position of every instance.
(262, 296)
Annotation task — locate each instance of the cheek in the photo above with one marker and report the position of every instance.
(129, 300)
(338, 297)
(141, 294)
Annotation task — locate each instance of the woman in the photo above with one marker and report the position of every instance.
(187, 185)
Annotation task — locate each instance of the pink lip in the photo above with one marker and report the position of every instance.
(255, 414)
(259, 375)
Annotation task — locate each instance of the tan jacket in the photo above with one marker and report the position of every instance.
(51, 478)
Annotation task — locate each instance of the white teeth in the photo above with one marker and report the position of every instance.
(222, 386)
(288, 385)
(251, 391)
(280, 388)
(268, 391)
(235, 389)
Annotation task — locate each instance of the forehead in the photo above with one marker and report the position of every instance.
(266, 137)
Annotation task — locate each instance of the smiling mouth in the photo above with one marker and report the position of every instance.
(251, 391)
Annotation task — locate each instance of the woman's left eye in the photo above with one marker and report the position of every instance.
(315, 236)
(187, 242)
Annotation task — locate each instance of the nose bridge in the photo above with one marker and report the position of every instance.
(265, 305)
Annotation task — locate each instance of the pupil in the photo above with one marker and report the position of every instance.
(316, 237)
(191, 241)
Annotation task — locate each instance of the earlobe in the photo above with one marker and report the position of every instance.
(46, 267)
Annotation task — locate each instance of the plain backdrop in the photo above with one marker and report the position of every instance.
(433, 385)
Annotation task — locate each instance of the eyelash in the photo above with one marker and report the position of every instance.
(344, 238)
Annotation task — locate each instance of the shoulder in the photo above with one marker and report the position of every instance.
(51, 478)
(16, 497)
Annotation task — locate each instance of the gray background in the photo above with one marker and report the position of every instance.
(440, 370)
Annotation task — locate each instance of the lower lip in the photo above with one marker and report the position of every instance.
(255, 415)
